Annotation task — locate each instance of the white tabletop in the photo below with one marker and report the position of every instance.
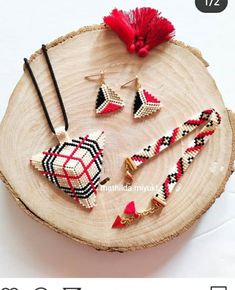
(28, 249)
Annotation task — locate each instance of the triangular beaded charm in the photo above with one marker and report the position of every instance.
(107, 100)
(145, 104)
(74, 166)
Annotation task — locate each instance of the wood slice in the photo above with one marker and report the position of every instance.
(173, 72)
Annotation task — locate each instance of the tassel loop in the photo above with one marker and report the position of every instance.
(144, 51)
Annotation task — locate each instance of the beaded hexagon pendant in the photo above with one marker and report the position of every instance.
(145, 104)
(74, 166)
(107, 100)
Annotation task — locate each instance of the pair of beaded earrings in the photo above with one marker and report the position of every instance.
(108, 101)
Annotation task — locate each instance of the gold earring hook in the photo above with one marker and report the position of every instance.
(137, 83)
(91, 77)
(101, 76)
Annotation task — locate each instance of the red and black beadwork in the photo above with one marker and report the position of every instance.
(107, 100)
(211, 120)
(74, 166)
(145, 104)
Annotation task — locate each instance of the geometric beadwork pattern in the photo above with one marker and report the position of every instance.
(74, 166)
(145, 104)
(211, 120)
(178, 133)
(107, 100)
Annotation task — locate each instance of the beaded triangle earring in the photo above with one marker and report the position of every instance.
(107, 100)
(145, 104)
(75, 165)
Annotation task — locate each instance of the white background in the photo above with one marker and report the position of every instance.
(117, 284)
(28, 249)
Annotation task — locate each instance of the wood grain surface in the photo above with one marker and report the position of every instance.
(178, 76)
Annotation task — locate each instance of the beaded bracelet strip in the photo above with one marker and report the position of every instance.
(211, 119)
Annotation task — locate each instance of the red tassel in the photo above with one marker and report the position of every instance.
(130, 208)
(160, 30)
(142, 18)
(117, 223)
(119, 22)
(141, 29)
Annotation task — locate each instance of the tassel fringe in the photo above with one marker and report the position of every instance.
(140, 29)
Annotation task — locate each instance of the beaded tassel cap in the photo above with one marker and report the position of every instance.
(145, 104)
(108, 101)
(74, 166)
